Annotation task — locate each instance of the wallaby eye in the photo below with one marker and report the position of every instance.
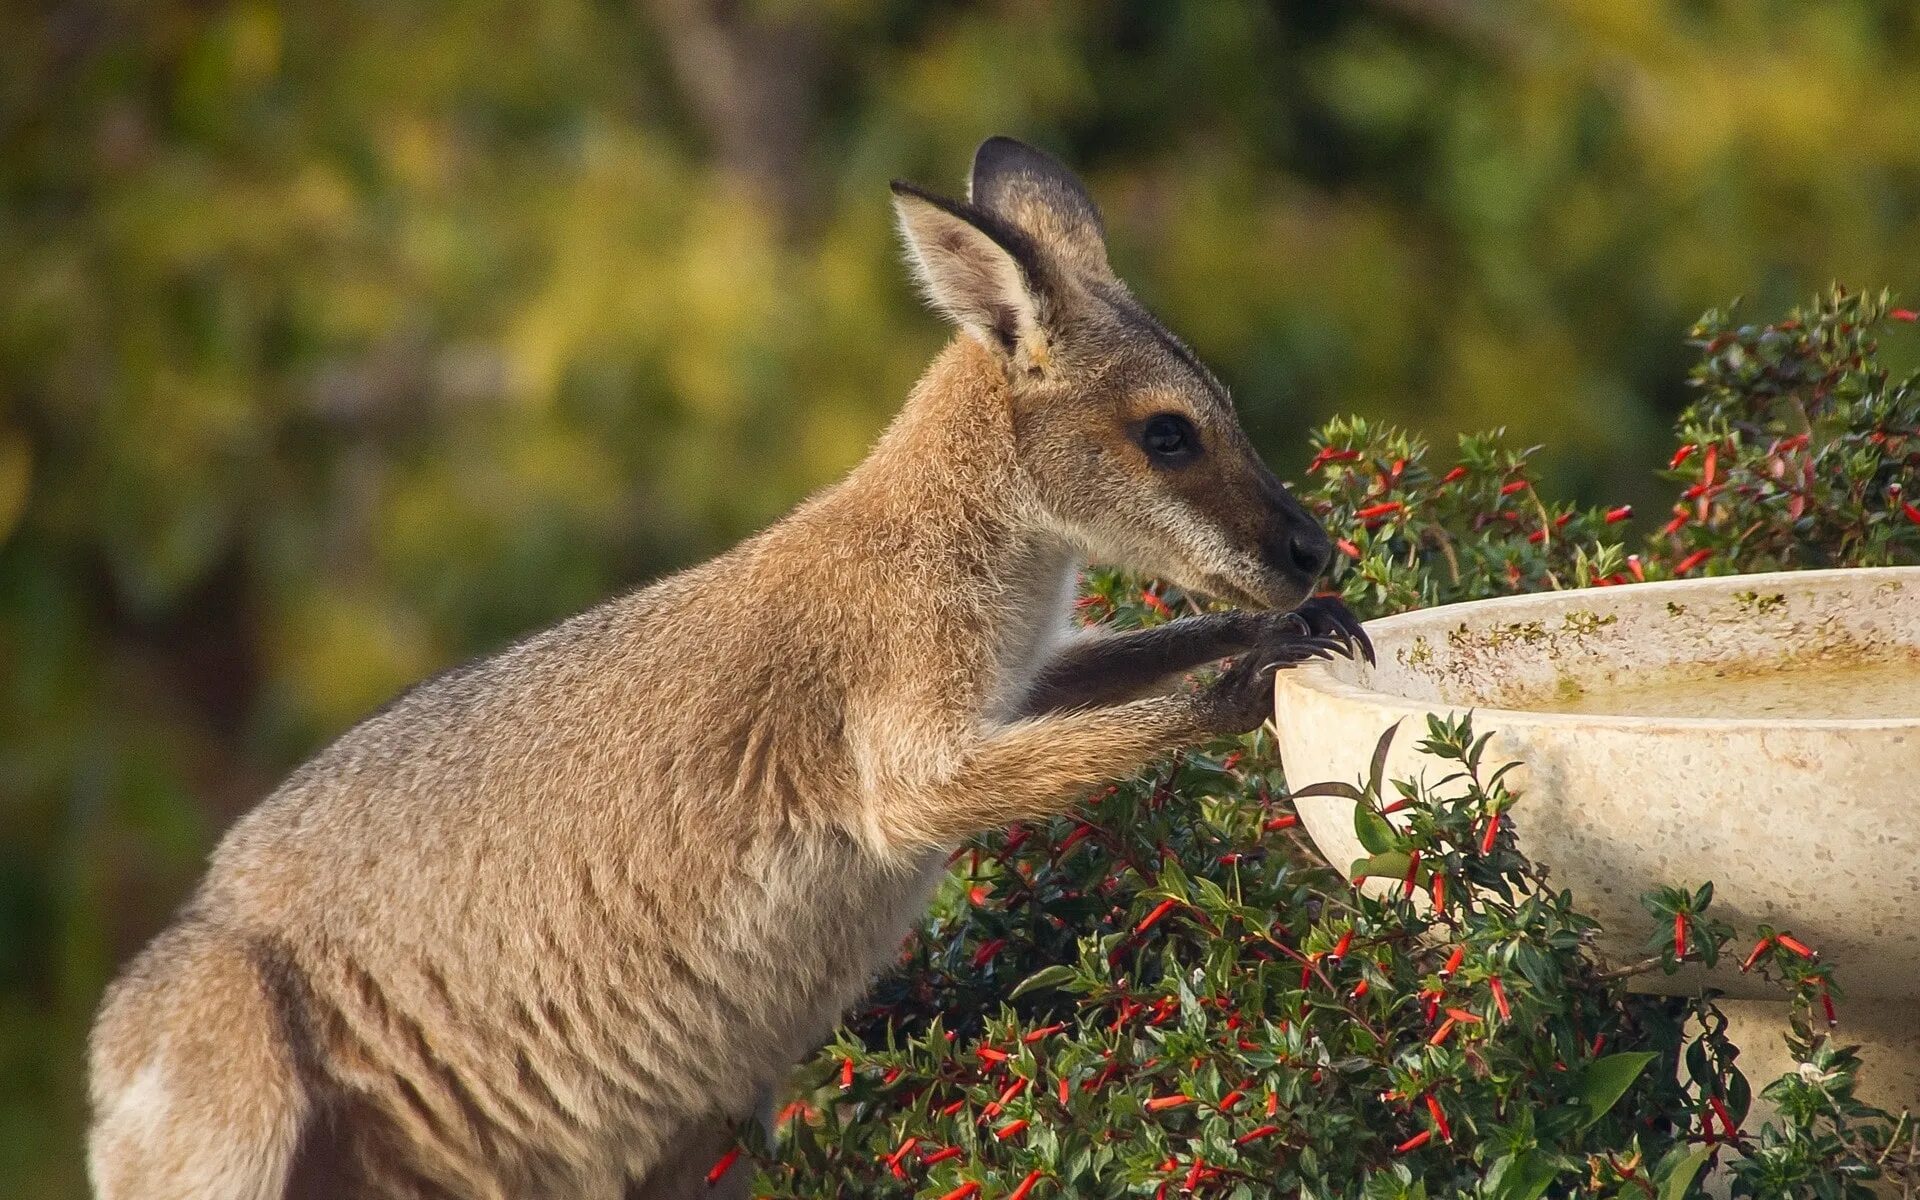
(1169, 437)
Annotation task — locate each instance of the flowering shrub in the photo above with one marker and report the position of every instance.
(1170, 994)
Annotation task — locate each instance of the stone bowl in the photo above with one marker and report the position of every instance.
(1802, 818)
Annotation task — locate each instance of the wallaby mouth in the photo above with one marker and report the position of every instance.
(1296, 552)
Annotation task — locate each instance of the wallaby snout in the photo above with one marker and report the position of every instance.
(1293, 544)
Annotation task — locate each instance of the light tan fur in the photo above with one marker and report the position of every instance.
(549, 923)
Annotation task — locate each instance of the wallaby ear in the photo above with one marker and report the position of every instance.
(1035, 193)
(976, 269)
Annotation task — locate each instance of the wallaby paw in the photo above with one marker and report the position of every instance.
(1329, 617)
(1242, 697)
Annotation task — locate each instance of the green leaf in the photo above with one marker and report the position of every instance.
(1045, 977)
(1377, 770)
(1373, 830)
(1607, 1079)
(1522, 1176)
(1679, 1169)
(1390, 865)
(1330, 788)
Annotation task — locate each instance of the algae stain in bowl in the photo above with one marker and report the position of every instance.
(1808, 689)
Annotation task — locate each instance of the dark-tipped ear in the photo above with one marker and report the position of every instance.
(978, 271)
(1035, 193)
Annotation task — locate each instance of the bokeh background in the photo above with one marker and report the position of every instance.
(340, 341)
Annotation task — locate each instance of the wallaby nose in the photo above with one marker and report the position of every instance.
(1309, 550)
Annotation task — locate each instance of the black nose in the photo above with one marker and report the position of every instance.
(1309, 551)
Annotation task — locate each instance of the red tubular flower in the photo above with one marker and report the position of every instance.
(1415, 1142)
(1071, 840)
(722, 1166)
(1438, 889)
(1680, 935)
(1229, 1100)
(1826, 1004)
(1151, 919)
(1639, 572)
(987, 950)
(1710, 468)
(1518, 485)
(1273, 1103)
(1454, 476)
(1674, 526)
(989, 1055)
(1537, 536)
(1454, 960)
(1681, 455)
(1760, 947)
(939, 1156)
(1359, 989)
(1348, 548)
(964, 1192)
(1691, 561)
(905, 1148)
(1026, 1185)
(1378, 510)
(1345, 943)
(1163, 1103)
(1464, 1017)
(1065, 1090)
(1035, 1035)
(1443, 1033)
(1904, 314)
(1010, 1129)
(1912, 513)
(1617, 515)
(1256, 1133)
(1500, 997)
(1726, 1118)
(1492, 830)
(1330, 455)
(953, 1108)
(1439, 1116)
(1278, 823)
(846, 1073)
(1413, 872)
(1149, 598)
(1796, 945)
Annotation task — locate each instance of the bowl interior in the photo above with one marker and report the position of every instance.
(1810, 646)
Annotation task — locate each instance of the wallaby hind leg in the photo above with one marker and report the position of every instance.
(194, 1090)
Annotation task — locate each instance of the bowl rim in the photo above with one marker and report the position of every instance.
(1318, 677)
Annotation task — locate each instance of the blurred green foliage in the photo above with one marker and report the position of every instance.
(339, 342)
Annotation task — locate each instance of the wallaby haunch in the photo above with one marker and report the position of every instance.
(550, 922)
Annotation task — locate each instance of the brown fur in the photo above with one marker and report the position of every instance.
(550, 922)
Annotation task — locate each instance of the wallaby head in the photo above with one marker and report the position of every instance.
(1132, 447)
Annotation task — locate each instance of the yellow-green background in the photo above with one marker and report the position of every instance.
(341, 340)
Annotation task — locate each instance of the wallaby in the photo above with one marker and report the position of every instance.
(550, 924)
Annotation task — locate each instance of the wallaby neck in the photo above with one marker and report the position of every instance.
(949, 468)
(945, 482)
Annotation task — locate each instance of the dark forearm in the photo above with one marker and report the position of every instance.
(1108, 668)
